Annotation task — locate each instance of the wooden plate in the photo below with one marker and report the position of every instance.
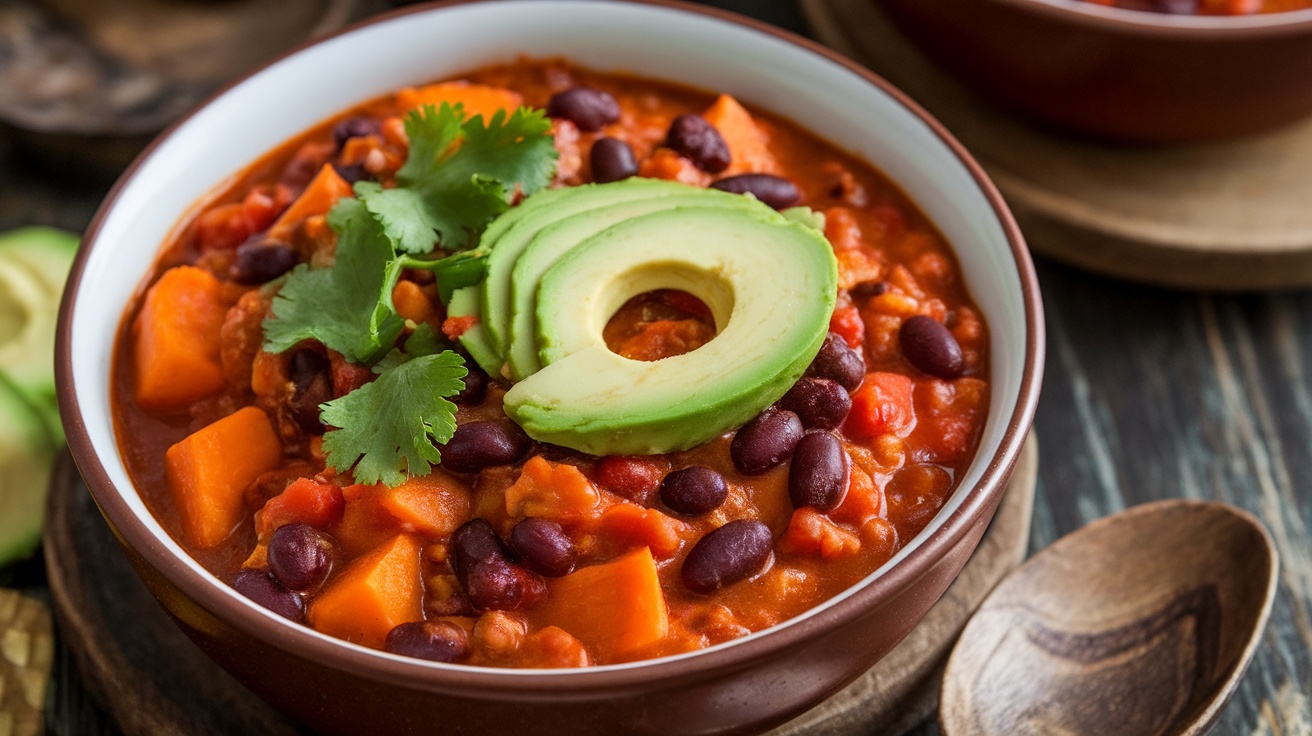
(151, 679)
(1227, 216)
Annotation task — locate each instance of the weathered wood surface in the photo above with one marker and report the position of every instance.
(1148, 394)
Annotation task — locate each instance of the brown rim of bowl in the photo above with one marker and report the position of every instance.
(1167, 25)
(302, 642)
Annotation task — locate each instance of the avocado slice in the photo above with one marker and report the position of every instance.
(770, 283)
(34, 263)
(535, 213)
(27, 453)
(554, 241)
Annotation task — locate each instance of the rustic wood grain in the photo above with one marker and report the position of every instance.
(1129, 625)
(152, 680)
(1231, 215)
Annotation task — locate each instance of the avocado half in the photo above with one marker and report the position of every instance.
(34, 263)
(769, 281)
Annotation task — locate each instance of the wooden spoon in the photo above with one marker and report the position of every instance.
(1140, 623)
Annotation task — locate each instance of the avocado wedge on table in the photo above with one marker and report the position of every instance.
(34, 263)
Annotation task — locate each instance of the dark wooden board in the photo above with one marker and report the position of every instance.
(151, 679)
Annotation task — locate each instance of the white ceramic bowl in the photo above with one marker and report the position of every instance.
(747, 683)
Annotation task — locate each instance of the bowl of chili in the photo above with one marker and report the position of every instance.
(357, 592)
(1154, 72)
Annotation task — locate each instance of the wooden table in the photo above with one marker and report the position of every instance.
(1149, 394)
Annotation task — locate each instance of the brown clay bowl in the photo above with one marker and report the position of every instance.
(742, 686)
(1122, 74)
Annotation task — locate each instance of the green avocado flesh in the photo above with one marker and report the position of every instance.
(508, 237)
(34, 264)
(554, 241)
(769, 282)
(27, 452)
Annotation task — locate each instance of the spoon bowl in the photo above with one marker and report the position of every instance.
(1140, 623)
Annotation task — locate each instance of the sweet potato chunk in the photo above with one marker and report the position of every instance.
(208, 472)
(748, 144)
(322, 193)
(432, 505)
(177, 339)
(371, 597)
(615, 609)
(478, 99)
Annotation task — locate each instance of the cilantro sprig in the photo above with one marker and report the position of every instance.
(460, 174)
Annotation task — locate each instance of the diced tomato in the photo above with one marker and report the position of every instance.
(454, 327)
(305, 501)
(882, 405)
(847, 322)
(634, 478)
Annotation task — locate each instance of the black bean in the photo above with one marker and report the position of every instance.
(819, 402)
(930, 347)
(765, 441)
(694, 490)
(474, 542)
(311, 374)
(543, 547)
(612, 160)
(475, 389)
(775, 191)
(868, 289)
(691, 136)
(351, 173)
(818, 473)
(300, 556)
(734, 552)
(587, 108)
(500, 585)
(350, 128)
(437, 641)
(259, 262)
(479, 445)
(838, 362)
(260, 587)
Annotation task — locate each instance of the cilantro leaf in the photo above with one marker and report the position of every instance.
(423, 341)
(459, 175)
(340, 306)
(454, 271)
(514, 150)
(390, 427)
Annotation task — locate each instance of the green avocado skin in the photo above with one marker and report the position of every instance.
(770, 282)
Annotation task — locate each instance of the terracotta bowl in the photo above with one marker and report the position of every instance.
(744, 685)
(1122, 74)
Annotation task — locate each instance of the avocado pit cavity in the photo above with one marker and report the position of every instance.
(659, 324)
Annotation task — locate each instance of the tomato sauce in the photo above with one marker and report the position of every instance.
(908, 436)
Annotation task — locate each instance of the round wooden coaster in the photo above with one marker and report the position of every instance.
(151, 679)
(1227, 216)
